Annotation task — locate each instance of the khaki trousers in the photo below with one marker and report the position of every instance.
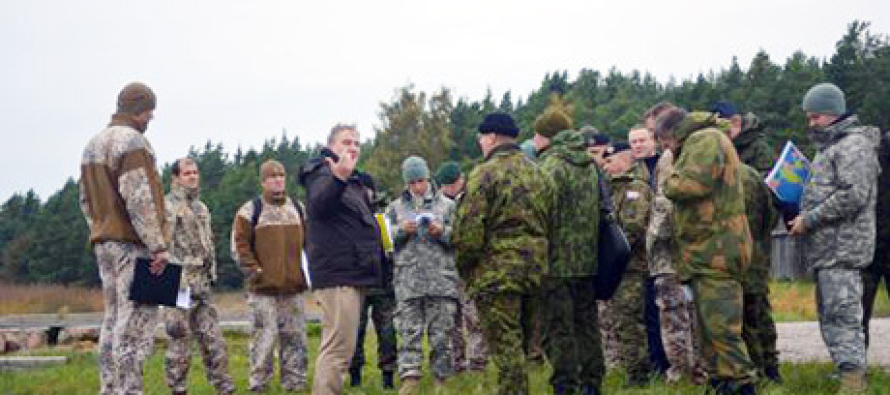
(340, 307)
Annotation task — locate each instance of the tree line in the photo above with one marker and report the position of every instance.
(47, 241)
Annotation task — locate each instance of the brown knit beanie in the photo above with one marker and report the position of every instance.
(552, 121)
(135, 98)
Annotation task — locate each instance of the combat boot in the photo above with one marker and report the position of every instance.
(410, 386)
(772, 374)
(852, 382)
(355, 377)
(388, 380)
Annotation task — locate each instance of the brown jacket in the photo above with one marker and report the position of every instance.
(277, 248)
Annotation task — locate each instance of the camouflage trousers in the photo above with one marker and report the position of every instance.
(277, 319)
(533, 327)
(383, 311)
(871, 281)
(624, 329)
(839, 303)
(201, 322)
(759, 332)
(505, 330)
(571, 333)
(466, 322)
(678, 329)
(435, 316)
(127, 333)
(719, 306)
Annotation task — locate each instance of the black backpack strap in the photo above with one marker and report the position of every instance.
(254, 220)
(302, 219)
(607, 207)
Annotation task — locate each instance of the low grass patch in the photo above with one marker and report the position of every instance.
(48, 299)
(80, 376)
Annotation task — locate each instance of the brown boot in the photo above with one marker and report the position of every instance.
(410, 386)
(852, 382)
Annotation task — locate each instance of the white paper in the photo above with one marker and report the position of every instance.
(304, 265)
(184, 298)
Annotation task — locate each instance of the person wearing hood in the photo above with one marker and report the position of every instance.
(425, 278)
(122, 200)
(713, 240)
(837, 224)
(192, 246)
(571, 332)
(748, 136)
(632, 198)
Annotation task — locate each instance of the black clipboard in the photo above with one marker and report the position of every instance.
(153, 289)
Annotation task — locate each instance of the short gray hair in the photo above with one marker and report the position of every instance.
(339, 128)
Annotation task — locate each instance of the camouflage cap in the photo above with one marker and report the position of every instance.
(552, 121)
(135, 99)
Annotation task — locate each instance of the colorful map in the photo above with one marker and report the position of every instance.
(789, 175)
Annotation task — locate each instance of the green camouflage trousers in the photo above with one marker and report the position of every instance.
(571, 333)
(718, 304)
(502, 325)
(627, 332)
(277, 319)
(127, 333)
(200, 322)
(435, 317)
(759, 332)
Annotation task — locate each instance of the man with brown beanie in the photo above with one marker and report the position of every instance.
(122, 198)
(267, 241)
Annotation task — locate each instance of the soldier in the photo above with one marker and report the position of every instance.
(632, 198)
(837, 222)
(713, 240)
(597, 144)
(268, 235)
(569, 309)
(122, 199)
(452, 183)
(425, 278)
(500, 236)
(192, 246)
(748, 136)
(880, 266)
(381, 301)
(758, 328)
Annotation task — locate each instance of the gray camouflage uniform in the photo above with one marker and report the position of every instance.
(192, 246)
(838, 208)
(425, 282)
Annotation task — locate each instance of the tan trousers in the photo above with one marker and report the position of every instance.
(340, 307)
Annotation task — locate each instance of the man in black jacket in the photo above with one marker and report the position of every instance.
(344, 251)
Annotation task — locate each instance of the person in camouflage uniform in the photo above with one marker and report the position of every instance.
(758, 328)
(425, 278)
(713, 240)
(501, 239)
(269, 249)
(381, 302)
(880, 265)
(837, 223)
(122, 200)
(472, 353)
(748, 137)
(632, 197)
(569, 309)
(192, 246)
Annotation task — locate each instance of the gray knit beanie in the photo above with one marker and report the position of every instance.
(414, 168)
(825, 98)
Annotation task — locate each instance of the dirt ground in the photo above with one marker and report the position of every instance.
(802, 342)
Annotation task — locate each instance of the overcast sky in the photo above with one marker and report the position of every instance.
(240, 72)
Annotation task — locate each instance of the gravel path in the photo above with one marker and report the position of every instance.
(802, 342)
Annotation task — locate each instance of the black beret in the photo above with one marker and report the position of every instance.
(499, 123)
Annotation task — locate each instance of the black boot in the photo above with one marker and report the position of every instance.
(388, 381)
(355, 377)
(590, 390)
(772, 373)
(747, 389)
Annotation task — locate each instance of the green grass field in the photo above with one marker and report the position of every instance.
(792, 301)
